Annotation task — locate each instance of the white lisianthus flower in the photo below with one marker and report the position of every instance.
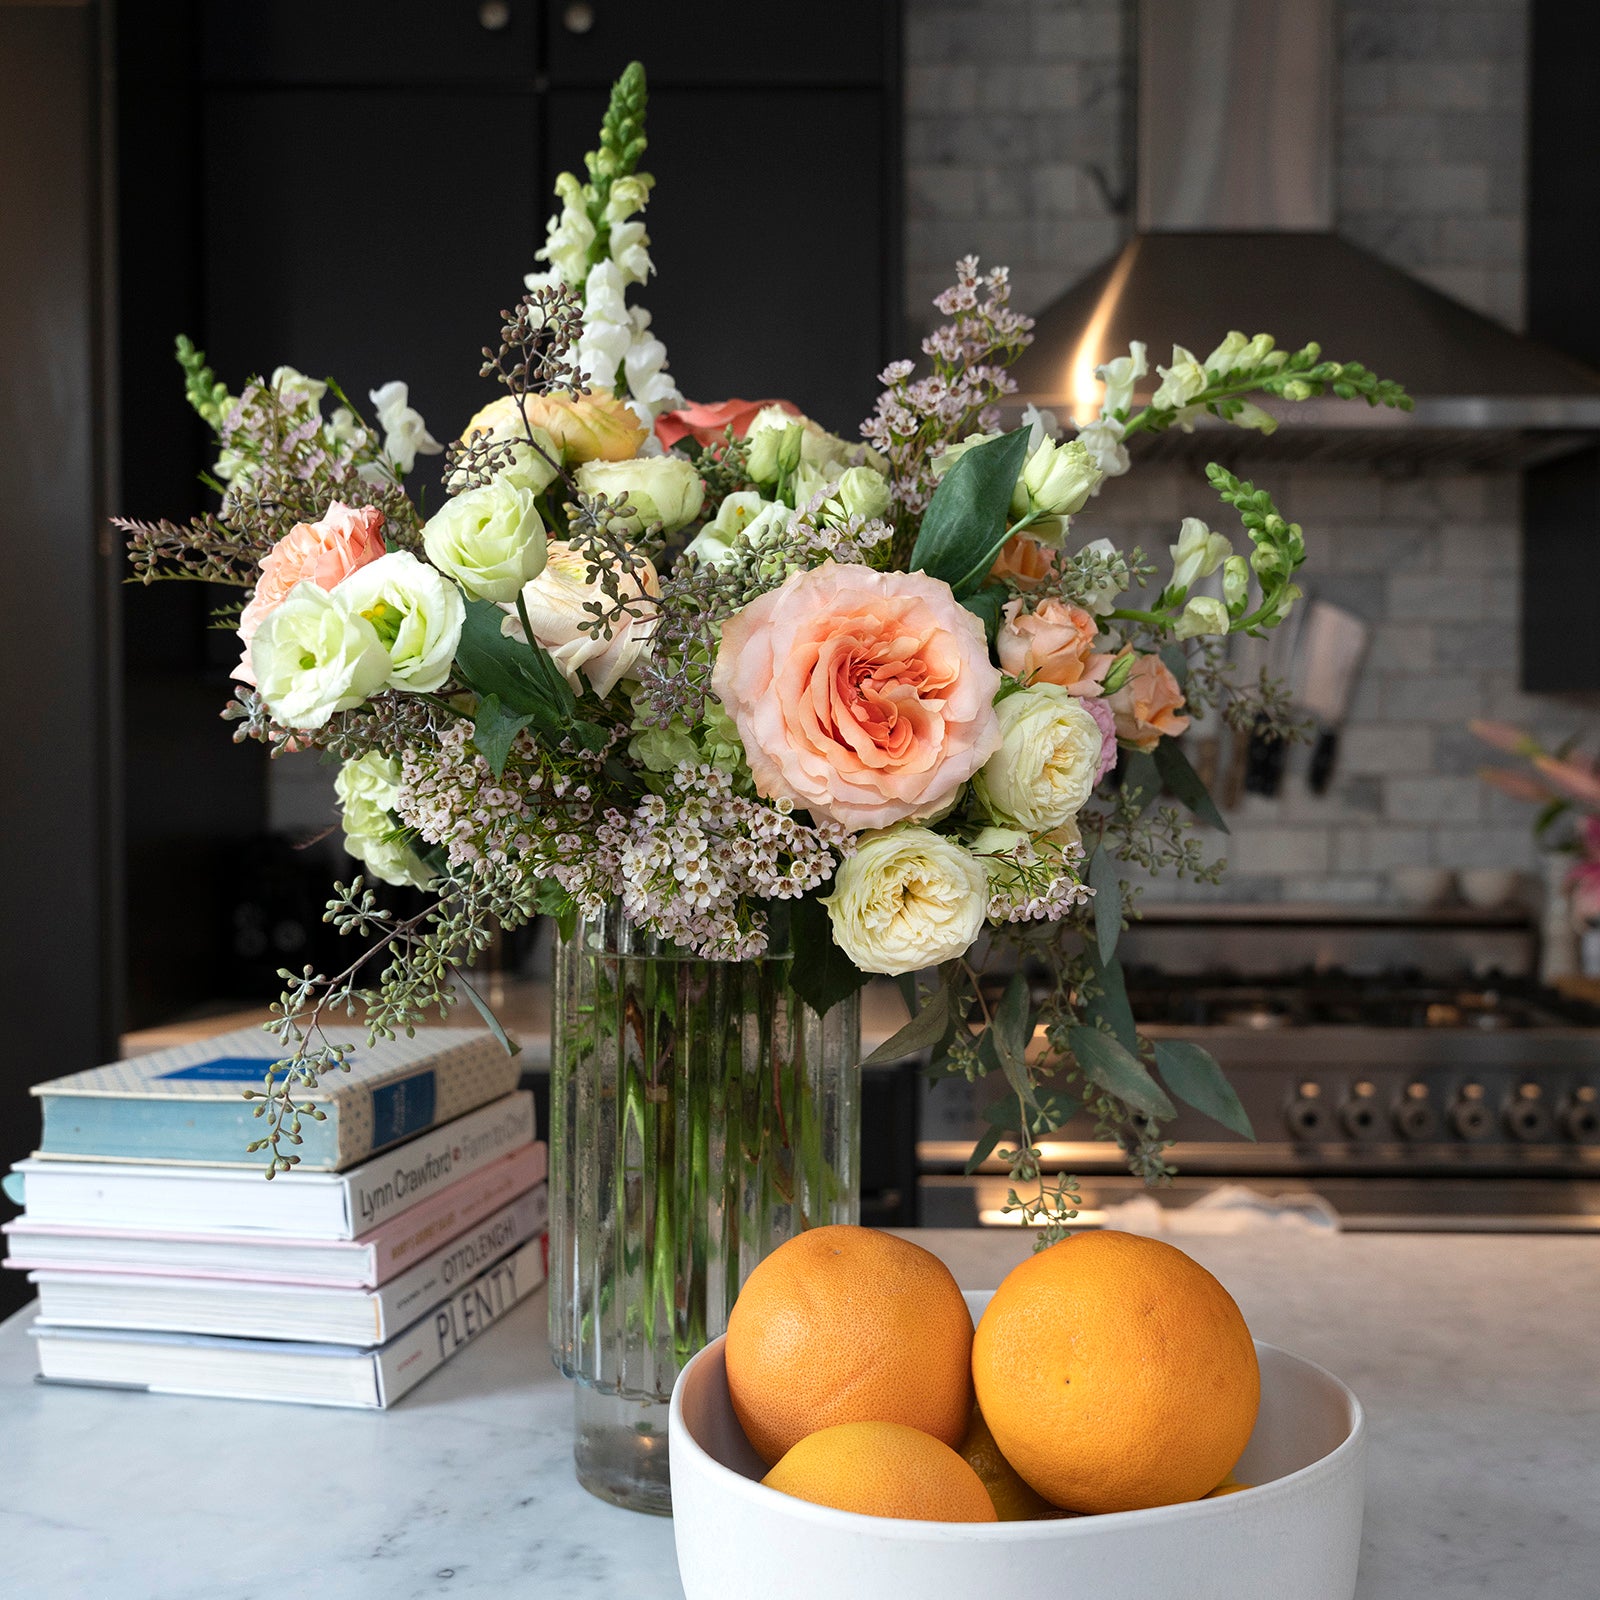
(1201, 615)
(501, 422)
(417, 613)
(715, 542)
(296, 390)
(1119, 377)
(405, 434)
(664, 489)
(1103, 441)
(313, 656)
(1198, 552)
(556, 604)
(1045, 767)
(369, 793)
(1103, 601)
(1235, 579)
(908, 898)
(1180, 382)
(818, 447)
(490, 540)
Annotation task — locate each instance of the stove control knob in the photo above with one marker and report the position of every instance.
(1359, 1113)
(1469, 1116)
(1307, 1116)
(1580, 1122)
(1527, 1116)
(1414, 1118)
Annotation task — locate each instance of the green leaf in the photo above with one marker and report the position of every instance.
(518, 672)
(1176, 660)
(1137, 771)
(1110, 1007)
(481, 1006)
(1194, 1076)
(986, 605)
(1184, 782)
(983, 1149)
(926, 1028)
(1010, 1033)
(965, 523)
(493, 730)
(820, 972)
(1118, 1071)
(1105, 878)
(551, 900)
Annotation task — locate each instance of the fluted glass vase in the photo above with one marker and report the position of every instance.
(700, 1115)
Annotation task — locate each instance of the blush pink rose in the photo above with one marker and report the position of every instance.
(324, 552)
(707, 422)
(865, 697)
(1052, 644)
(1106, 720)
(1148, 705)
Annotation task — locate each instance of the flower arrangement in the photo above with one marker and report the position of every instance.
(748, 677)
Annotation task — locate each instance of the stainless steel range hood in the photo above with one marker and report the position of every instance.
(1235, 217)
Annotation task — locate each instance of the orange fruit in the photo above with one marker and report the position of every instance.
(1116, 1373)
(883, 1469)
(1013, 1500)
(845, 1324)
(1229, 1485)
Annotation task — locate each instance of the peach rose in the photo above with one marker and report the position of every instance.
(707, 423)
(1053, 644)
(324, 552)
(588, 427)
(865, 697)
(1025, 561)
(1148, 705)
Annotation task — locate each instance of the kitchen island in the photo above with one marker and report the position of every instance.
(1476, 1357)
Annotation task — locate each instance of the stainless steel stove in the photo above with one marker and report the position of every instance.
(1444, 1089)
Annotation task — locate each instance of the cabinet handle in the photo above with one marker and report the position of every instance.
(578, 18)
(494, 15)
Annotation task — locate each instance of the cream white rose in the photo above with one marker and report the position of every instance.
(490, 540)
(555, 603)
(664, 489)
(908, 898)
(416, 611)
(862, 492)
(1045, 767)
(369, 792)
(313, 656)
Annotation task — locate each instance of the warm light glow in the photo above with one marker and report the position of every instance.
(1086, 389)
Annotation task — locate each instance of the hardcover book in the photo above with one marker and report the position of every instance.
(267, 1310)
(271, 1369)
(294, 1205)
(362, 1263)
(187, 1104)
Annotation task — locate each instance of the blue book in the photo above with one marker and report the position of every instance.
(187, 1104)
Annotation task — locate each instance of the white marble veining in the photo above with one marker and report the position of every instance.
(1477, 1357)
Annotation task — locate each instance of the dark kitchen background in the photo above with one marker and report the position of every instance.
(356, 187)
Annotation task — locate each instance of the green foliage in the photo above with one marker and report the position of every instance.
(1183, 781)
(925, 1029)
(203, 389)
(1105, 878)
(1107, 1062)
(1194, 1076)
(551, 900)
(966, 521)
(494, 730)
(820, 972)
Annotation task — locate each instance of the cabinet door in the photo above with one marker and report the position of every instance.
(369, 234)
(774, 240)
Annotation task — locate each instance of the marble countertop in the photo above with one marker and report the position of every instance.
(1477, 1357)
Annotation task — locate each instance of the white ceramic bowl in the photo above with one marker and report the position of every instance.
(1422, 887)
(1488, 888)
(1296, 1536)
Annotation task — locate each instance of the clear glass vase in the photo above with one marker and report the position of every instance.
(700, 1115)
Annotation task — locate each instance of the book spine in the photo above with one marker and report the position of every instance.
(391, 1184)
(406, 1360)
(401, 1244)
(426, 1285)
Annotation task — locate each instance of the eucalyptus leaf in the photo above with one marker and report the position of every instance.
(1184, 782)
(1136, 769)
(1176, 660)
(1110, 1007)
(1194, 1076)
(966, 520)
(1105, 879)
(1118, 1071)
(983, 1149)
(926, 1028)
(481, 1006)
(1011, 1033)
(819, 972)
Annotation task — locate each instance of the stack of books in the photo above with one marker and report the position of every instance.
(165, 1259)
